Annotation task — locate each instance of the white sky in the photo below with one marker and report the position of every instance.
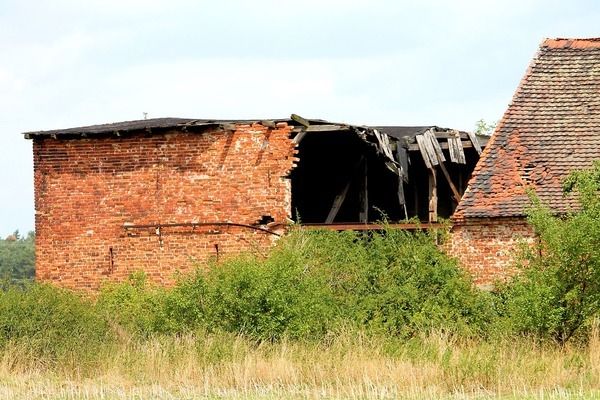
(66, 63)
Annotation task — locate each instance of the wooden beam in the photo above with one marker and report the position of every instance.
(475, 141)
(433, 199)
(337, 203)
(455, 148)
(339, 199)
(268, 123)
(426, 153)
(439, 135)
(466, 144)
(455, 193)
(416, 200)
(365, 227)
(299, 136)
(300, 120)
(326, 128)
(436, 145)
(402, 158)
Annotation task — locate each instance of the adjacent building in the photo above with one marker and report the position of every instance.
(551, 128)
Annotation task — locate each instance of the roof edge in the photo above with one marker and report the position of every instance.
(565, 43)
(463, 210)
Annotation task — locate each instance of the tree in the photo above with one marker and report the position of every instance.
(484, 128)
(17, 257)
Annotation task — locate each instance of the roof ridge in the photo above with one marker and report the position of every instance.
(572, 43)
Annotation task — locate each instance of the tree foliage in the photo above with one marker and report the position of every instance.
(484, 128)
(558, 292)
(17, 257)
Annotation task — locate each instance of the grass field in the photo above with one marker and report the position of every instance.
(353, 366)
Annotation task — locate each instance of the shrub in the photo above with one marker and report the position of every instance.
(268, 299)
(400, 282)
(311, 283)
(393, 281)
(53, 323)
(141, 308)
(558, 291)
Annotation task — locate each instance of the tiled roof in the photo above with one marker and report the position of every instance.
(551, 127)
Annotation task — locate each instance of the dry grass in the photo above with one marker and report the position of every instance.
(348, 366)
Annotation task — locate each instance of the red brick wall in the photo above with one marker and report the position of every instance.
(487, 248)
(86, 189)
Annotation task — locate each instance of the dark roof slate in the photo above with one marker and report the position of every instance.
(165, 123)
(551, 127)
(128, 126)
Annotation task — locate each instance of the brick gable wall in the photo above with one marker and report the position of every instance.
(87, 189)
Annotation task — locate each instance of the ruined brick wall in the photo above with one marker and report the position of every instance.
(487, 247)
(87, 189)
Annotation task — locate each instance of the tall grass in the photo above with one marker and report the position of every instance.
(334, 315)
(350, 365)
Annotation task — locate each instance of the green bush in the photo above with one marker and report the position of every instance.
(267, 299)
(396, 281)
(312, 283)
(53, 323)
(141, 308)
(558, 291)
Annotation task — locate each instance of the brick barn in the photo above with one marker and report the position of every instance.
(166, 195)
(551, 128)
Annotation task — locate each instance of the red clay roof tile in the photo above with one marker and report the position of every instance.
(551, 127)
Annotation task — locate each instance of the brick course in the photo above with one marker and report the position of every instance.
(488, 247)
(86, 189)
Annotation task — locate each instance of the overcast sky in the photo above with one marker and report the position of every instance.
(447, 63)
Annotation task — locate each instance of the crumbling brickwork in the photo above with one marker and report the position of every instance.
(488, 247)
(88, 190)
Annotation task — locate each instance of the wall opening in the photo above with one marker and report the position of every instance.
(341, 169)
(334, 164)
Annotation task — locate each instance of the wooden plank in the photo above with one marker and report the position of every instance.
(268, 123)
(439, 135)
(456, 151)
(326, 128)
(423, 150)
(475, 142)
(298, 138)
(300, 120)
(433, 199)
(436, 145)
(452, 150)
(384, 144)
(427, 151)
(466, 144)
(450, 133)
(459, 151)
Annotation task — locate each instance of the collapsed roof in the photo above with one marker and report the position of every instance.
(422, 149)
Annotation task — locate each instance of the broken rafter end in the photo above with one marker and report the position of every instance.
(300, 120)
